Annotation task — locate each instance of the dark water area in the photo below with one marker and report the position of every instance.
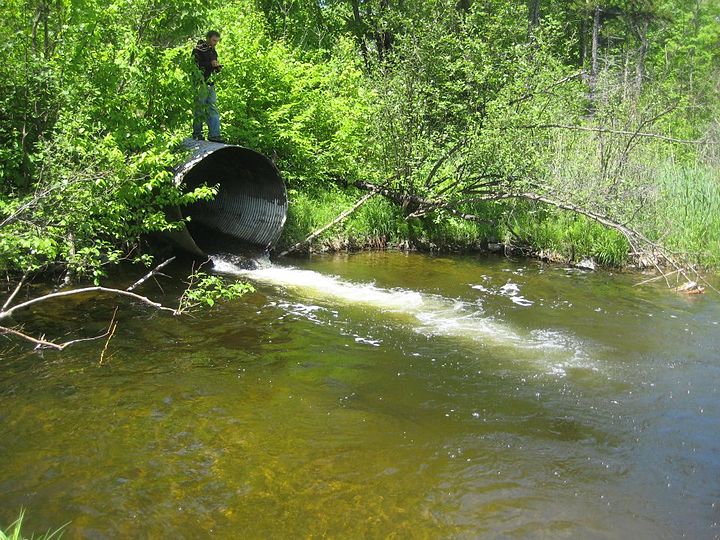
(371, 396)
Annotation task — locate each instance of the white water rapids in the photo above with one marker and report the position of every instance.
(431, 315)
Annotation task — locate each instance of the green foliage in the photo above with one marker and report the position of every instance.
(205, 290)
(456, 99)
(438, 100)
(307, 113)
(313, 25)
(95, 103)
(92, 203)
(452, 233)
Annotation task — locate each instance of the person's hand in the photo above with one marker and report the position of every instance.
(214, 63)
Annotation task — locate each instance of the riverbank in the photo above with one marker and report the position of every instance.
(684, 219)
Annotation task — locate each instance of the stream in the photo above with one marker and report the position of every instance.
(373, 395)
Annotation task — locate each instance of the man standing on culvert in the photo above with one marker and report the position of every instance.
(205, 108)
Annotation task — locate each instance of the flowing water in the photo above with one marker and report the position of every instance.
(371, 396)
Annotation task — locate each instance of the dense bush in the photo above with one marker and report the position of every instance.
(446, 104)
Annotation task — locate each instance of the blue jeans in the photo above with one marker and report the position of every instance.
(205, 110)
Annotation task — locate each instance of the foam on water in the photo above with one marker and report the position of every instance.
(331, 287)
(430, 315)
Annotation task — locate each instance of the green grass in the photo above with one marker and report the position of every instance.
(688, 212)
(377, 224)
(445, 232)
(564, 235)
(683, 214)
(14, 531)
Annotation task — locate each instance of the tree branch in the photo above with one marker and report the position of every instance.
(14, 293)
(150, 274)
(652, 250)
(8, 312)
(543, 90)
(442, 159)
(48, 344)
(110, 333)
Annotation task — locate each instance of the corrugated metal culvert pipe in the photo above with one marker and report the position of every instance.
(249, 209)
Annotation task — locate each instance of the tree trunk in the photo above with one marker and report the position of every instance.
(642, 54)
(46, 33)
(582, 48)
(383, 37)
(595, 62)
(359, 31)
(533, 17)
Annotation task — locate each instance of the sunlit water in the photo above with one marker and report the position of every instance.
(370, 396)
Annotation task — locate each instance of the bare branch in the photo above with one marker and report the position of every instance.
(7, 313)
(532, 94)
(15, 216)
(110, 333)
(441, 160)
(656, 278)
(14, 293)
(150, 274)
(40, 343)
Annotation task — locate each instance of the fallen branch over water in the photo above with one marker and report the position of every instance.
(150, 274)
(15, 292)
(42, 343)
(201, 290)
(8, 310)
(85, 290)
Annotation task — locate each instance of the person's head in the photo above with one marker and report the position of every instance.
(212, 37)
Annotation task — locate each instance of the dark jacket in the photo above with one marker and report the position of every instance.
(204, 54)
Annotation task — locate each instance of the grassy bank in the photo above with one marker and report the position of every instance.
(683, 213)
(377, 224)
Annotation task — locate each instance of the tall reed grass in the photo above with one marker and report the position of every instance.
(687, 213)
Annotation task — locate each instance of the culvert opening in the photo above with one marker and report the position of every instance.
(249, 210)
